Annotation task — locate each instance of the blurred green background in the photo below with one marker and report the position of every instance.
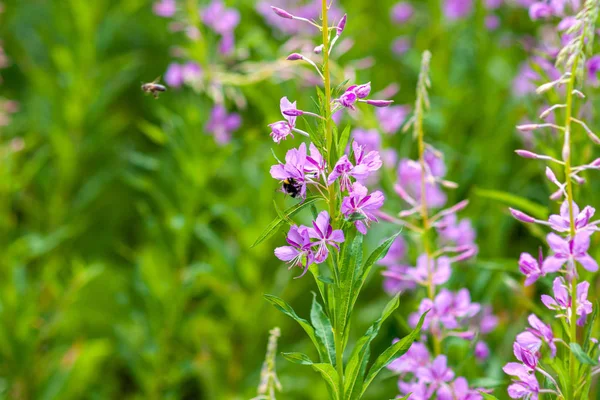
(126, 270)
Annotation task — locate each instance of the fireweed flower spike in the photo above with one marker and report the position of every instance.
(443, 240)
(331, 181)
(572, 228)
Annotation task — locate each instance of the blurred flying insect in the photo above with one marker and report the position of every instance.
(154, 87)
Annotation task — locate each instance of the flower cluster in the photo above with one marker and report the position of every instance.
(190, 71)
(569, 239)
(426, 378)
(444, 240)
(305, 170)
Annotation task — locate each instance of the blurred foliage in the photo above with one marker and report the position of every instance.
(126, 269)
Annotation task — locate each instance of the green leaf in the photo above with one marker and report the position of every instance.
(285, 308)
(330, 376)
(326, 279)
(356, 367)
(590, 326)
(273, 226)
(349, 273)
(487, 396)
(153, 132)
(343, 141)
(582, 355)
(298, 358)
(394, 351)
(534, 209)
(323, 329)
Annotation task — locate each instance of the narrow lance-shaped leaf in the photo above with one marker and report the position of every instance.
(349, 273)
(487, 396)
(323, 329)
(330, 375)
(298, 358)
(272, 228)
(394, 351)
(581, 355)
(356, 367)
(285, 308)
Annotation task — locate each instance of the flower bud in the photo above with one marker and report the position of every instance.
(282, 13)
(292, 112)
(521, 216)
(380, 103)
(527, 127)
(341, 25)
(318, 49)
(295, 57)
(526, 154)
(363, 91)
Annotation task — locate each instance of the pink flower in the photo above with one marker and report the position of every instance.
(325, 235)
(562, 222)
(525, 386)
(569, 251)
(562, 300)
(280, 130)
(298, 253)
(362, 204)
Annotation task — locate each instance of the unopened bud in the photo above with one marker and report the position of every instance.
(526, 154)
(292, 112)
(282, 13)
(341, 25)
(521, 216)
(527, 127)
(295, 57)
(380, 103)
(363, 91)
(318, 49)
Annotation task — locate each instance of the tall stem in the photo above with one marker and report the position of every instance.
(567, 170)
(339, 330)
(424, 210)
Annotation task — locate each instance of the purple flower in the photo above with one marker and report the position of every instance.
(562, 222)
(409, 181)
(392, 118)
(292, 172)
(493, 4)
(325, 235)
(368, 139)
(540, 10)
(174, 75)
(448, 310)
(191, 71)
(428, 270)
(364, 204)
(533, 269)
(528, 356)
(281, 129)
(342, 169)
(298, 253)
(220, 19)
(541, 331)
(482, 351)
(457, 9)
(436, 374)
(416, 357)
(492, 22)
(310, 10)
(562, 300)
(164, 8)
(315, 163)
(569, 251)
(221, 124)
(358, 93)
(401, 45)
(593, 66)
(458, 390)
(525, 386)
(459, 233)
(402, 12)
(396, 279)
(365, 163)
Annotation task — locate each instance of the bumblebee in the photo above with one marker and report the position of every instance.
(292, 187)
(154, 87)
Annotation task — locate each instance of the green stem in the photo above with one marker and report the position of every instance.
(339, 330)
(567, 171)
(425, 219)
